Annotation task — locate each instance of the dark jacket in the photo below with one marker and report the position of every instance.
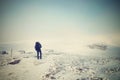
(38, 46)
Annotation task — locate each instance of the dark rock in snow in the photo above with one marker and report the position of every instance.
(98, 46)
(10, 74)
(3, 52)
(53, 77)
(47, 75)
(14, 62)
(96, 78)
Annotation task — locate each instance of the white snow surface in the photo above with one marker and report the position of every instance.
(58, 66)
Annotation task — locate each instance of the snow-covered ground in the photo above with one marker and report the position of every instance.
(56, 65)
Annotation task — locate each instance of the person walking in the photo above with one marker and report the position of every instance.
(38, 47)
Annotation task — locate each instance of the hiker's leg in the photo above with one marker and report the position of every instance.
(37, 54)
(40, 54)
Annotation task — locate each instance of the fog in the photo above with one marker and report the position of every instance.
(61, 25)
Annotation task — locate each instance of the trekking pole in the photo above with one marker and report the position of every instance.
(11, 52)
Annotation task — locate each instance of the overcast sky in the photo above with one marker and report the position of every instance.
(25, 20)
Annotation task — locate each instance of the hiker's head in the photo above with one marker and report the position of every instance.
(37, 43)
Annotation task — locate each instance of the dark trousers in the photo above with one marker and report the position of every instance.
(39, 53)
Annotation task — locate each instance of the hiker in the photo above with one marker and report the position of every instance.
(38, 47)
